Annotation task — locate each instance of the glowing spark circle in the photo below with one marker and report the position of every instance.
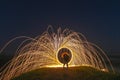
(64, 55)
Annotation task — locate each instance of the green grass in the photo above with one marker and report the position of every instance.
(73, 73)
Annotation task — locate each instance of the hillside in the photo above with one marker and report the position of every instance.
(73, 73)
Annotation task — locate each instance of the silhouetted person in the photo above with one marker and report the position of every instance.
(65, 60)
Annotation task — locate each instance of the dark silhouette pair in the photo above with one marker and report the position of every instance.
(65, 60)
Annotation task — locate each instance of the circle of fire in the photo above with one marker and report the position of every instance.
(64, 55)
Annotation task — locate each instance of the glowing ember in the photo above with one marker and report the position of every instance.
(44, 51)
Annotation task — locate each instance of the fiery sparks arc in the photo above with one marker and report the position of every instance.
(43, 51)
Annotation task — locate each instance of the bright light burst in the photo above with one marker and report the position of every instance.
(42, 52)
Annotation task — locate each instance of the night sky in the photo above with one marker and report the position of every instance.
(98, 20)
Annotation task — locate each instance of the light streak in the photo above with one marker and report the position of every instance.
(42, 52)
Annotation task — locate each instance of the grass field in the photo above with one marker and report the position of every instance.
(72, 73)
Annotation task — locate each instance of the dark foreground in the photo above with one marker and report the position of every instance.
(73, 73)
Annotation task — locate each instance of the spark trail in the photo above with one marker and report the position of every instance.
(43, 50)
